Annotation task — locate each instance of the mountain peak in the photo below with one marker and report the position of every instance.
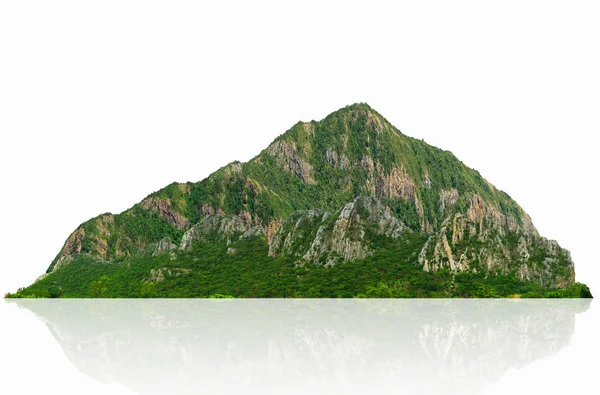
(359, 106)
(355, 110)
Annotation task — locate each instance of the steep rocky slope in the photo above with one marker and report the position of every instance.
(328, 192)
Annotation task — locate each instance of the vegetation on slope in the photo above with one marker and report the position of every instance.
(250, 273)
(320, 166)
(267, 191)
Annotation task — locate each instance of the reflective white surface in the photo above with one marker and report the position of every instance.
(291, 346)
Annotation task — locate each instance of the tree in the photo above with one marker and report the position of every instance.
(99, 288)
(148, 290)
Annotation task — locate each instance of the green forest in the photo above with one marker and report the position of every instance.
(209, 271)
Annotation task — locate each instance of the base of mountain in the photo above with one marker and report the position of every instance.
(212, 268)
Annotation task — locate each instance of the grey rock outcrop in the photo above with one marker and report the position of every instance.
(485, 239)
(160, 274)
(336, 160)
(163, 208)
(287, 157)
(325, 238)
(222, 225)
(164, 245)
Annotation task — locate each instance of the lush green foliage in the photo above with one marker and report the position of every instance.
(250, 272)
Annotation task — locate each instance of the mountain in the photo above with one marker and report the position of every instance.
(345, 206)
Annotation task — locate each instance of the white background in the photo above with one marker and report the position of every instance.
(470, 348)
(102, 103)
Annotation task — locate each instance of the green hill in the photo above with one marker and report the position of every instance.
(344, 207)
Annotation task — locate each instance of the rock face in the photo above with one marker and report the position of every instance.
(160, 274)
(288, 158)
(323, 191)
(485, 239)
(164, 245)
(164, 210)
(222, 225)
(448, 198)
(321, 237)
(337, 161)
(316, 236)
(97, 241)
(73, 243)
(396, 184)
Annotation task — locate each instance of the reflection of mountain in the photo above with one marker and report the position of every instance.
(297, 346)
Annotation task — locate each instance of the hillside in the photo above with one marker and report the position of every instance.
(347, 206)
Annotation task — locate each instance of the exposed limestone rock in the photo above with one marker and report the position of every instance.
(396, 184)
(425, 225)
(158, 275)
(332, 157)
(271, 229)
(224, 226)
(461, 227)
(252, 232)
(479, 242)
(523, 251)
(480, 211)
(99, 242)
(311, 235)
(231, 251)
(164, 245)
(288, 158)
(427, 181)
(298, 226)
(163, 208)
(235, 167)
(342, 240)
(439, 249)
(73, 243)
(527, 224)
(448, 197)
(246, 218)
(367, 164)
(338, 161)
